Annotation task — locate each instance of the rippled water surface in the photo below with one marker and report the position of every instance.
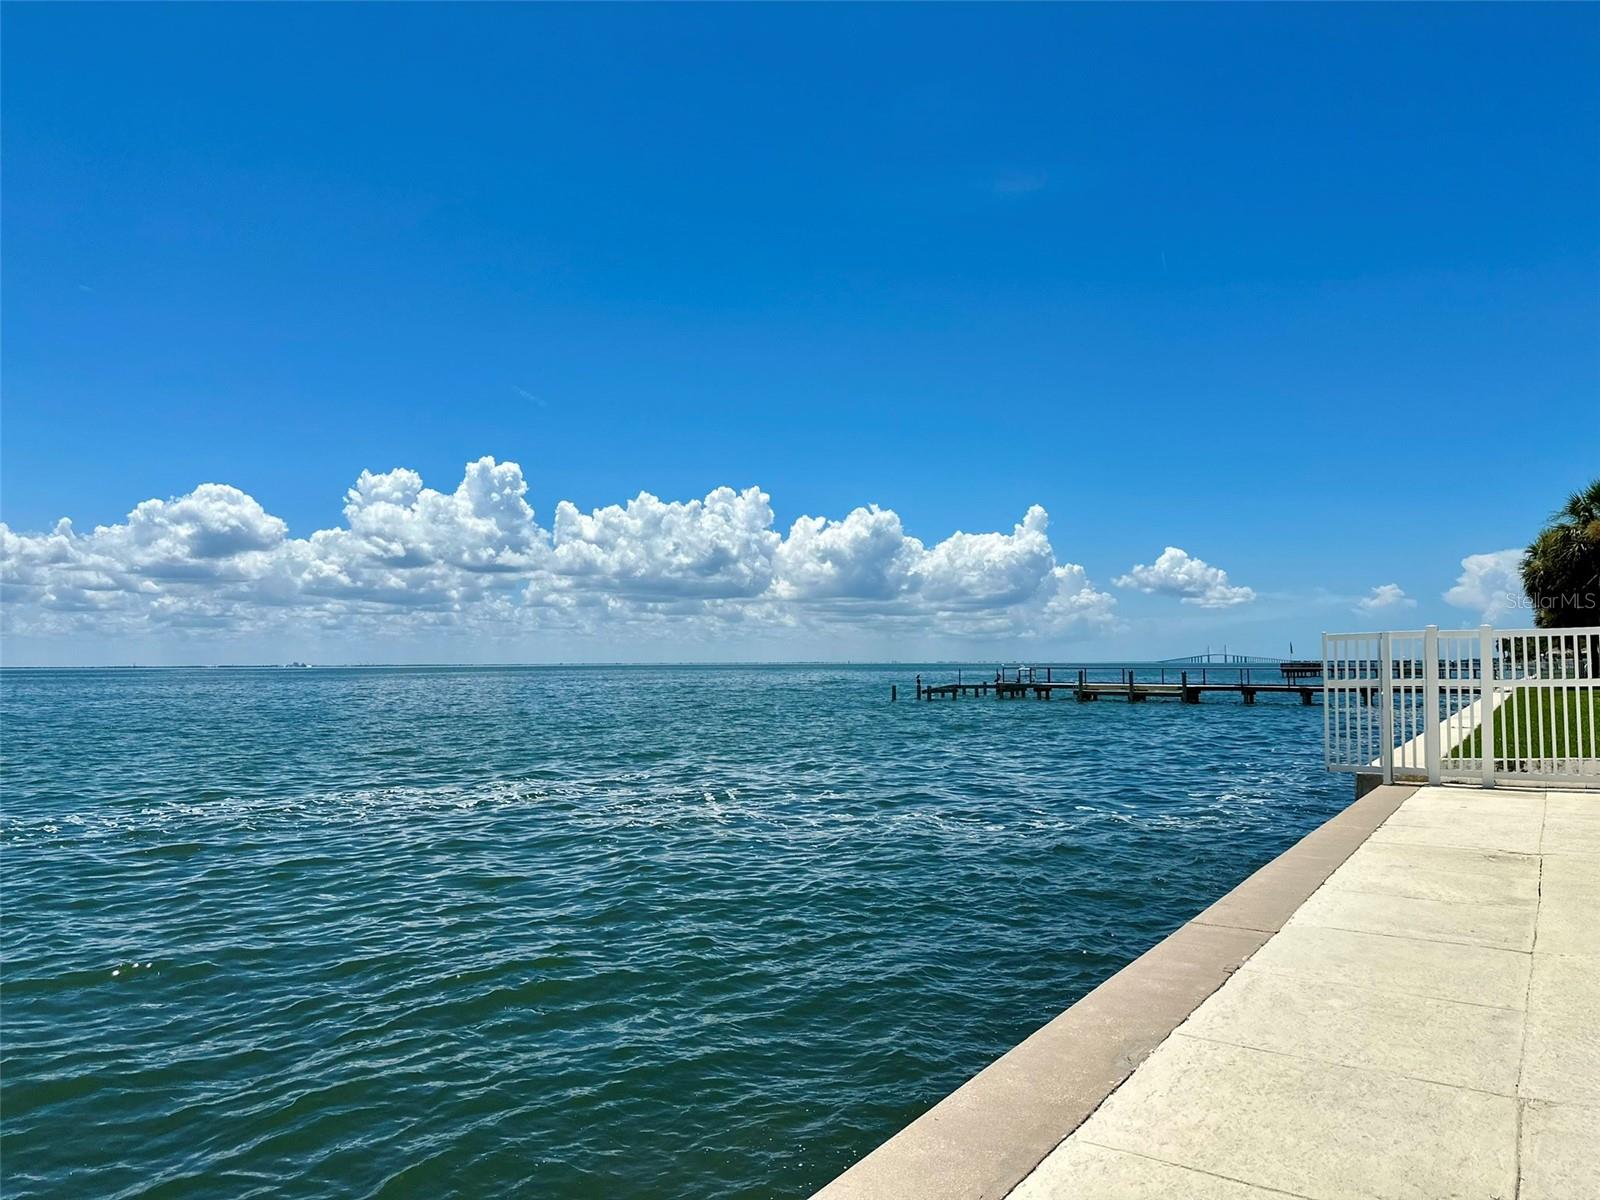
(623, 932)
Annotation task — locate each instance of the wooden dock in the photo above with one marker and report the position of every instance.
(1184, 689)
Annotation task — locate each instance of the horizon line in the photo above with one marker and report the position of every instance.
(709, 662)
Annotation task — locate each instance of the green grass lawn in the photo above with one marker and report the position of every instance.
(1551, 723)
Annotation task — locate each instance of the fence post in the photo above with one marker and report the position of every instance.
(1327, 696)
(1386, 714)
(1486, 690)
(1430, 702)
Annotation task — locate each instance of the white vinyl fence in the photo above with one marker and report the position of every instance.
(1482, 705)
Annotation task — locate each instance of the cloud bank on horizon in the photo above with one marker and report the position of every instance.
(410, 559)
(409, 556)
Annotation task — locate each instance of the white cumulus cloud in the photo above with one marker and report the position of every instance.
(409, 557)
(1192, 580)
(969, 582)
(1489, 584)
(1070, 601)
(1385, 596)
(987, 569)
(484, 525)
(719, 547)
(866, 556)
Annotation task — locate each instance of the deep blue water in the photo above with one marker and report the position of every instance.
(622, 932)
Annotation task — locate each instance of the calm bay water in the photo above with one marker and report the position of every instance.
(624, 932)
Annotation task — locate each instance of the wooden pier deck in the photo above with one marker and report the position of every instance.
(1184, 689)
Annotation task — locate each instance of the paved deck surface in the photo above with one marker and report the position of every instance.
(1426, 1025)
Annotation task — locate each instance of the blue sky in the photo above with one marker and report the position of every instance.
(1309, 292)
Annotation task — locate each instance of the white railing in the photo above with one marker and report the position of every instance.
(1481, 705)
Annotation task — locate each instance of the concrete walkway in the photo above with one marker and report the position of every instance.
(1426, 1025)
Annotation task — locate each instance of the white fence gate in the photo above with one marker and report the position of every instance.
(1481, 705)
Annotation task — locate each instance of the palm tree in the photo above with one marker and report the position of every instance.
(1561, 570)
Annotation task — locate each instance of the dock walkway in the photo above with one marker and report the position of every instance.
(1406, 1005)
(1129, 688)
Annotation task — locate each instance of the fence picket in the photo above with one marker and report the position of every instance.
(1426, 705)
